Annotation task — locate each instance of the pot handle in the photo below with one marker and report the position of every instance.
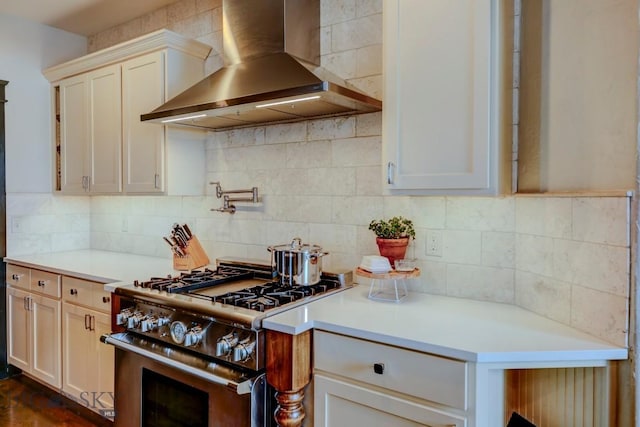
(318, 255)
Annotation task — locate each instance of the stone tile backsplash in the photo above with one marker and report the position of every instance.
(536, 252)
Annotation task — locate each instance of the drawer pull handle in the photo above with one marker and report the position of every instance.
(41, 282)
(15, 276)
(73, 291)
(378, 368)
(106, 299)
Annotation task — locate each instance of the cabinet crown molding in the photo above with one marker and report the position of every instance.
(161, 39)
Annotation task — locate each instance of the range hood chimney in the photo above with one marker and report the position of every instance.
(271, 72)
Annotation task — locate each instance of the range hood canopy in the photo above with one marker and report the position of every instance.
(270, 73)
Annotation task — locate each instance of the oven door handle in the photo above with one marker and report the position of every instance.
(243, 387)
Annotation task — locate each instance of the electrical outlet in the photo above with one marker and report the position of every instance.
(434, 243)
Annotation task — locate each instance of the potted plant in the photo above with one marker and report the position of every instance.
(392, 236)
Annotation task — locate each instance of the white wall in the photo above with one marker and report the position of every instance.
(578, 95)
(26, 48)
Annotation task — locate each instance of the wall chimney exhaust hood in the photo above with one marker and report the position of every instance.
(270, 73)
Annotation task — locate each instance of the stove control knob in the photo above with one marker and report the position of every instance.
(193, 336)
(123, 316)
(135, 320)
(243, 350)
(149, 324)
(226, 343)
(163, 321)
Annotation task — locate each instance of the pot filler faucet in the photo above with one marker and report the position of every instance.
(227, 205)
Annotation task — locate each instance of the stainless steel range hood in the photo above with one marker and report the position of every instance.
(270, 73)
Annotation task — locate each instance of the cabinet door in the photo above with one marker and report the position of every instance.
(105, 141)
(46, 340)
(143, 89)
(74, 134)
(438, 127)
(18, 329)
(340, 403)
(104, 361)
(88, 363)
(78, 365)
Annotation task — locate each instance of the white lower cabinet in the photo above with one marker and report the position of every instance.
(343, 403)
(54, 324)
(359, 382)
(88, 363)
(33, 325)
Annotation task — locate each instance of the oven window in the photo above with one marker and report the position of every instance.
(170, 403)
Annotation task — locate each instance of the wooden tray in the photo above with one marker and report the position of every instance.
(389, 275)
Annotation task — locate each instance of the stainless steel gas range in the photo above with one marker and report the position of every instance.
(190, 349)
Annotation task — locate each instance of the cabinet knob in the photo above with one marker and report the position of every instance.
(15, 277)
(73, 291)
(41, 282)
(106, 299)
(378, 368)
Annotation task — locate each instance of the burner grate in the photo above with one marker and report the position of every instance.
(195, 279)
(273, 294)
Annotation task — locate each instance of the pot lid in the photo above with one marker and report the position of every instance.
(296, 246)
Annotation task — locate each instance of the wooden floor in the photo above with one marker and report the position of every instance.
(24, 402)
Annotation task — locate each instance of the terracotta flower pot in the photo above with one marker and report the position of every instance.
(392, 249)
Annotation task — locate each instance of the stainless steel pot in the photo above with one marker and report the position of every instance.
(296, 263)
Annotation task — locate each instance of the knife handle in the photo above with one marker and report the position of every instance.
(187, 231)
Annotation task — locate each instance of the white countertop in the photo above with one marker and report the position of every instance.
(475, 331)
(464, 329)
(113, 268)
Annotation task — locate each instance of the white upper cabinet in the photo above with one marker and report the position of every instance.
(446, 111)
(142, 91)
(105, 137)
(74, 134)
(102, 147)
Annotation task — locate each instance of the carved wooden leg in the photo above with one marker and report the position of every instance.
(290, 411)
(289, 371)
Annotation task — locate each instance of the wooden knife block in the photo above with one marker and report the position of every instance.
(195, 256)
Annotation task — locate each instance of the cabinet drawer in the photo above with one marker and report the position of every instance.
(18, 277)
(422, 375)
(101, 298)
(86, 293)
(45, 283)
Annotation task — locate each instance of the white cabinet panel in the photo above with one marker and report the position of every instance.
(33, 335)
(338, 403)
(88, 363)
(440, 123)
(105, 143)
(143, 90)
(74, 134)
(46, 340)
(18, 329)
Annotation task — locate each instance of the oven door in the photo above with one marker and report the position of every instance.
(156, 385)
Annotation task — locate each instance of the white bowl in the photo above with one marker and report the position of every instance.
(375, 264)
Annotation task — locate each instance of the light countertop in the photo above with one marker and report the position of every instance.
(464, 329)
(100, 266)
(475, 331)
